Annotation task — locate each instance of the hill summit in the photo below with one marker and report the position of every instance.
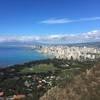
(85, 86)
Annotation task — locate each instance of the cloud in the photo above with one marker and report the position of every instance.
(66, 20)
(18, 38)
(59, 38)
(94, 34)
(56, 21)
(91, 36)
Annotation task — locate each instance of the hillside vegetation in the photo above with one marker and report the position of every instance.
(85, 86)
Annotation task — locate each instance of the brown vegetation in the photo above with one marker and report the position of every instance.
(18, 97)
(85, 86)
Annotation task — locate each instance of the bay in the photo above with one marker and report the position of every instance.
(17, 55)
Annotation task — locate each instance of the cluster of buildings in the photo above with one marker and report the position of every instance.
(73, 52)
(30, 83)
(14, 97)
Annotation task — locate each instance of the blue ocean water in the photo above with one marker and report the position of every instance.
(17, 55)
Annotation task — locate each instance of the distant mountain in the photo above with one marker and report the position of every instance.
(89, 44)
(17, 43)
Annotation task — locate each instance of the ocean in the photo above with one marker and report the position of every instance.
(17, 55)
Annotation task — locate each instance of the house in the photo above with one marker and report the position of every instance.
(18, 97)
(1, 93)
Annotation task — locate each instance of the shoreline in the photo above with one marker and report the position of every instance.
(47, 60)
(34, 56)
(28, 62)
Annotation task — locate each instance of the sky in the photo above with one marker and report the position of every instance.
(50, 20)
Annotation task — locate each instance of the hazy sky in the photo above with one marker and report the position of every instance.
(48, 17)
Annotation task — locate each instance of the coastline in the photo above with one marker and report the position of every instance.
(18, 55)
(28, 62)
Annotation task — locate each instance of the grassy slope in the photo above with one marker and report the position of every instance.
(39, 68)
(85, 86)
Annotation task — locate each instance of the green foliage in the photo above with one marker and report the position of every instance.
(39, 68)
